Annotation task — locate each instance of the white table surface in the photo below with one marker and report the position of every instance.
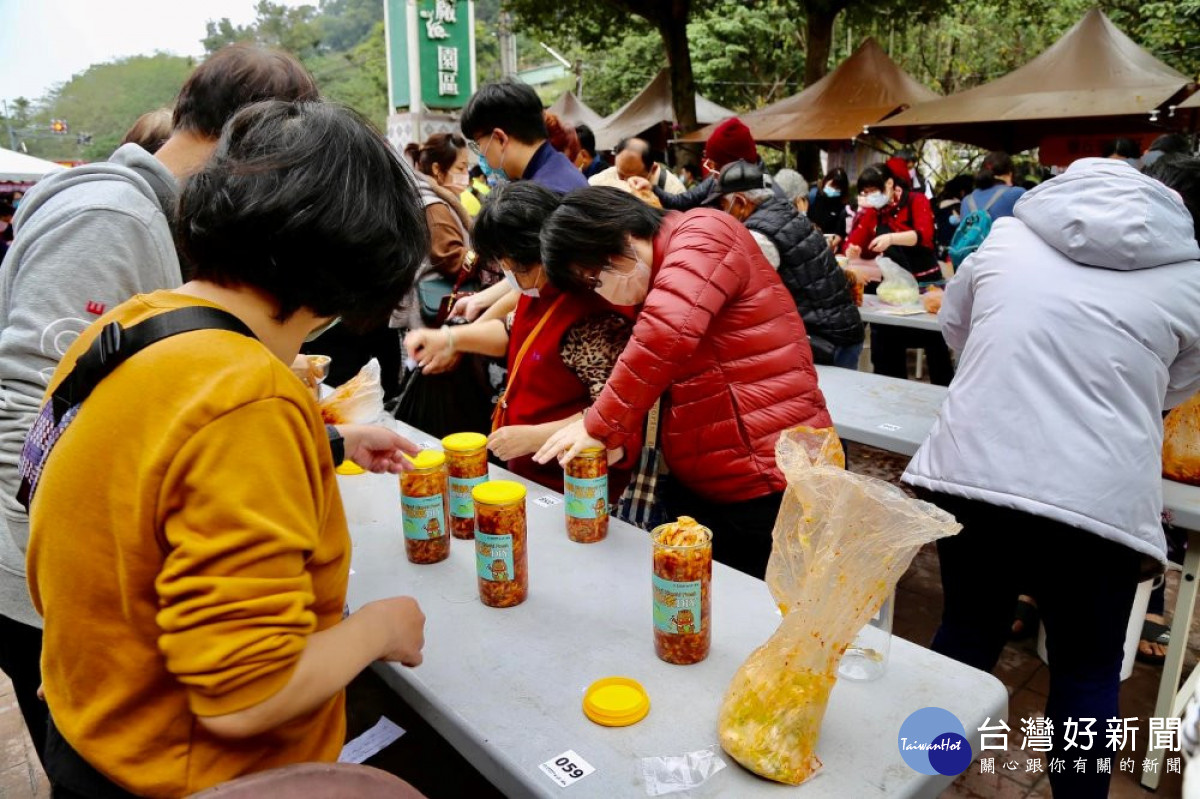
(876, 312)
(504, 686)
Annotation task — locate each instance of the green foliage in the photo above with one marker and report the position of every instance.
(357, 77)
(104, 101)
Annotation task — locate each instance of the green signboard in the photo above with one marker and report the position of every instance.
(444, 39)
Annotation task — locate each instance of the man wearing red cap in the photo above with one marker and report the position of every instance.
(730, 141)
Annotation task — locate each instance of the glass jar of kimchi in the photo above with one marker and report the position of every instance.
(682, 583)
(424, 508)
(501, 560)
(466, 463)
(585, 489)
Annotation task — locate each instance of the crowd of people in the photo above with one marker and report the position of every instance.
(554, 300)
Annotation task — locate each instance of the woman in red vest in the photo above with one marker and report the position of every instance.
(561, 345)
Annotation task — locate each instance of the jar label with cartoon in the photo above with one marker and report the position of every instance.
(677, 606)
(587, 497)
(461, 504)
(424, 517)
(494, 557)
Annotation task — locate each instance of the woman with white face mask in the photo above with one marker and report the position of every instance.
(898, 223)
(718, 340)
(560, 343)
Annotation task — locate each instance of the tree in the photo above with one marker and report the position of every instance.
(603, 24)
(104, 100)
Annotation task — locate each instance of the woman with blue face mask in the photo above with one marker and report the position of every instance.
(560, 344)
(828, 209)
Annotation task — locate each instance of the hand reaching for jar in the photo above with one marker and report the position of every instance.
(517, 440)
(432, 349)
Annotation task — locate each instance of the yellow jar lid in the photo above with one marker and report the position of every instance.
(591, 450)
(349, 467)
(464, 442)
(428, 459)
(616, 702)
(498, 492)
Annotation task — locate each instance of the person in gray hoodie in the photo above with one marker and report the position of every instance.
(87, 239)
(1077, 322)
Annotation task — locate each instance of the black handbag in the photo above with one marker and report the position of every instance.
(438, 294)
(457, 401)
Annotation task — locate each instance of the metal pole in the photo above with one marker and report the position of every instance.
(508, 44)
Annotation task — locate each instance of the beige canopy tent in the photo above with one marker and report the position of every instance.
(571, 109)
(1095, 80)
(650, 108)
(864, 89)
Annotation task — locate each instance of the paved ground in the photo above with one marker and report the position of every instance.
(424, 760)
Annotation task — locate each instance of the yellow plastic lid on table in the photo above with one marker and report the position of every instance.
(616, 702)
(498, 492)
(349, 467)
(428, 459)
(464, 442)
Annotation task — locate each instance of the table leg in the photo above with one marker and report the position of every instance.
(1171, 697)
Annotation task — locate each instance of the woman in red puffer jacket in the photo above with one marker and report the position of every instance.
(718, 338)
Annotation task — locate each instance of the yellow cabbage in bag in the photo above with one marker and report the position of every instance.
(841, 542)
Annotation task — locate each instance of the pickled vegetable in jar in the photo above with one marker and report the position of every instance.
(585, 489)
(682, 584)
(501, 559)
(424, 508)
(466, 463)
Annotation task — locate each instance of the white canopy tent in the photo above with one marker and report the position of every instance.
(20, 168)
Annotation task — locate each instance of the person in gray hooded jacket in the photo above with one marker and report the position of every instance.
(1077, 322)
(87, 239)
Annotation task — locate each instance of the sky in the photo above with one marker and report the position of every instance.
(45, 42)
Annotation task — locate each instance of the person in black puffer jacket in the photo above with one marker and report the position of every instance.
(803, 259)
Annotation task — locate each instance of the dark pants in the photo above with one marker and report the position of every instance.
(1084, 585)
(741, 530)
(21, 660)
(890, 346)
(72, 777)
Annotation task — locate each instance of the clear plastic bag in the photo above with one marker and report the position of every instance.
(899, 287)
(841, 542)
(677, 773)
(357, 401)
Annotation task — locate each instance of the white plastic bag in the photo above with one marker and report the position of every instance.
(678, 773)
(899, 287)
(357, 401)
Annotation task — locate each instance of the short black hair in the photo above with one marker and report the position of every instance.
(236, 76)
(591, 226)
(1125, 148)
(508, 104)
(587, 139)
(1181, 173)
(639, 147)
(838, 178)
(692, 169)
(509, 224)
(874, 176)
(997, 162)
(1170, 143)
(310, 204)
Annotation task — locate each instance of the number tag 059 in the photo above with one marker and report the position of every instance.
(567, 769)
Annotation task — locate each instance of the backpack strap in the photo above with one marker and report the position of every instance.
(116, 344)
(971, 201)
(995, 197)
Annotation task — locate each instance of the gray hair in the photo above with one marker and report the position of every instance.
(792, 182)
(758, 196)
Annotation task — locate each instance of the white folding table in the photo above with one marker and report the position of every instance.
(505, 686)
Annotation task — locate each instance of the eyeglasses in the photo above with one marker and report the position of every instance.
(474, 147)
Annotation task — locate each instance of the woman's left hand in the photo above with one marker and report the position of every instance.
(881, 243)
(376, 448)
(515, 441)
(567, 443)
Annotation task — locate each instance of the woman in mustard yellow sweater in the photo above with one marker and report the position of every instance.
(188, 548)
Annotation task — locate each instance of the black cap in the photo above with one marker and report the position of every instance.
(741, 176)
